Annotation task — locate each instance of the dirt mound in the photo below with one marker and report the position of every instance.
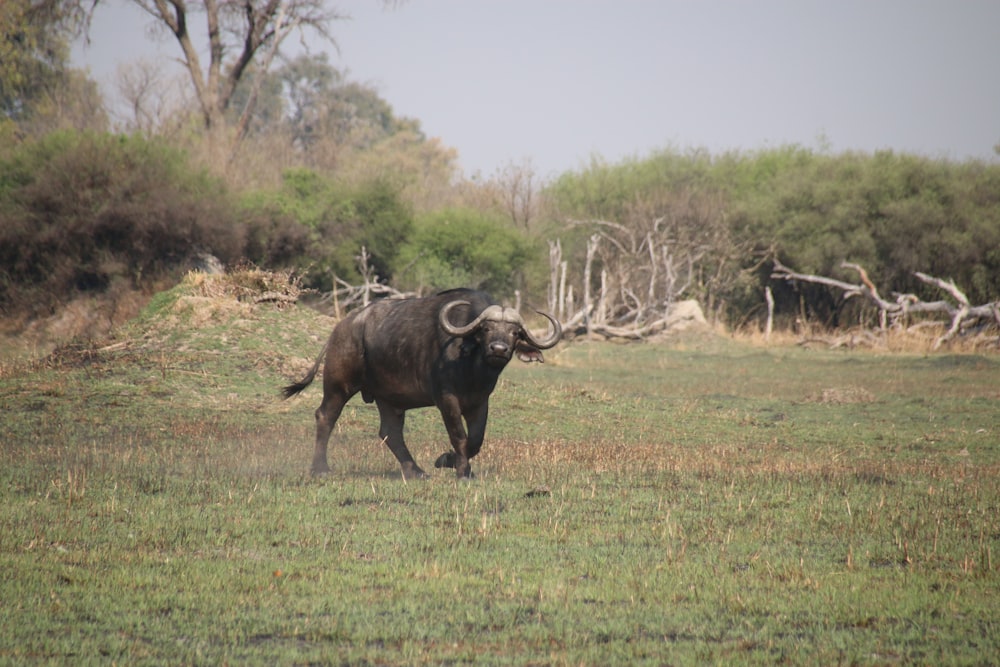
(82, 319)
(200, 300)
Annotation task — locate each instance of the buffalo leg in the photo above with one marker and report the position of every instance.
(327, 415)
(391, 432)
(476, 421)
(459, 459)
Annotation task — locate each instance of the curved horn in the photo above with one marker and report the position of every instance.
(489, 313)
(545, 343)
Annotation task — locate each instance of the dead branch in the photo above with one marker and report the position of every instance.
(591, 249)
(959, 315)
(896, 313)
(345, 296)
(276, 297)
(630, 332)
(782, 272)
(769, 297)
(555, 260)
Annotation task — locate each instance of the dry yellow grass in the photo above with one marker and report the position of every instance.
(913, 340)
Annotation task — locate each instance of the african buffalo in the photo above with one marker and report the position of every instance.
(446, 350)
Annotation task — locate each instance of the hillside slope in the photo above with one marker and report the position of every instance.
(211, 339)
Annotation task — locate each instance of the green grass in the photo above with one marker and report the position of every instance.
(695, 502)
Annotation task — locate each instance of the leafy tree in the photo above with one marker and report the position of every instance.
(314, 103)
(39, 92)
(324, 103)
(422, 170)
(660, 231)
(463, 248)
(340, 221)
(311, 115)
(894, 214)
(239, 35)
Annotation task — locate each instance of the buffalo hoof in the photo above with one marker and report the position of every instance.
(446, 460)
(317, 471)
(414, 473)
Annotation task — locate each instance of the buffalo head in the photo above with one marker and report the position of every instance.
(500, 332)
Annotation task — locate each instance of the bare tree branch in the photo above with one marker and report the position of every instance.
(243, 27)
(905, 305)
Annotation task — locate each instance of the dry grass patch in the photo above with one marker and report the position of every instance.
(247, 283)
(917, 339)
(843, 395)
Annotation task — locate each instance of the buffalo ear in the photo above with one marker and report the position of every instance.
(528, 353)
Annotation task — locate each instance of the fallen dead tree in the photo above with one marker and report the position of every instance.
(345, 296)
(643, 257)
(899, 313)
(640, 297)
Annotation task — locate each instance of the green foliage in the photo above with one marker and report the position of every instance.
(463, 248)
(373, 216)
(607, 191)
(81, 211)
(33, 52)
(661, 226)
(329, 123)
(314, 103)
(305, 196)
(894, 214)
(339, 221)
(700, 502)
(39, 92)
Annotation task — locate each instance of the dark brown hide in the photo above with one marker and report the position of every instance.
(406, 353)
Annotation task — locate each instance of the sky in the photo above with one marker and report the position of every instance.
(557, 83)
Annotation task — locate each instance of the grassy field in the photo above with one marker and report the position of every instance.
(698, 501)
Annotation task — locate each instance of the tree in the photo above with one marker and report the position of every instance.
(39, 92)
(898, 313)
(323, 103)
(310, 114)
(340, 220)
(515, 189)
(157, 104)
(643, 235)
(316, 103)
(462, 247)
(243, 36)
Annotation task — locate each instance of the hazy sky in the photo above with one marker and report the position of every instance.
(559, 81)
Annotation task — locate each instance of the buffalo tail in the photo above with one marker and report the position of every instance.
(292, 389)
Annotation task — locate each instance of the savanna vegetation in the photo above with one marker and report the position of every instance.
(289, 164)
(706, 499)
(697, 501)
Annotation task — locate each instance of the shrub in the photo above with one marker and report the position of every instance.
(80, 211)
(463, 248)
(322, 225)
